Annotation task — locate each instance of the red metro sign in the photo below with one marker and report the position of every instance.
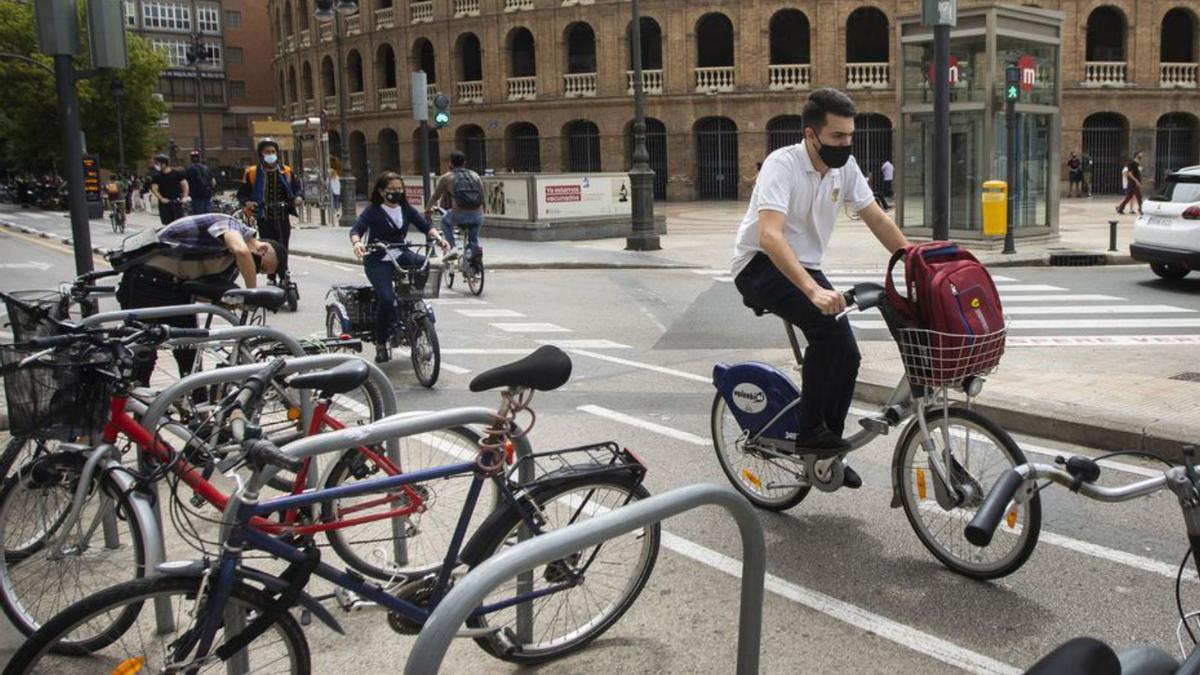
(1028, 67)
(953, 76)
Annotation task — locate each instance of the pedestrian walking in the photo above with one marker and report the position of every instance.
(1132, 175)
(335, 190)
(888, 171)
(1074, 176)
(1087, 166)
(170, 188)
(201, 185)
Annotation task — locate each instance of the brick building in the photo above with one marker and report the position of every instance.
(235, 76)
(544, 85)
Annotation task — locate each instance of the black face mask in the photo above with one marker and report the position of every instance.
(834, 156)
(396, 198)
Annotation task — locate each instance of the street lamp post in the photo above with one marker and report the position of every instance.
(117, 91)
(324, 9)
(199, 54)
(642, 236)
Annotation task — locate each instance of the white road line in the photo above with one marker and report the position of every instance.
(487, 352)
(644, 366)
(457, 370)
(1168, 570)
(328, 263)
(1059, 298)
(1100, 309)
(710, 272)
(490, 313)
(1060, 324)
(727, 280)
(530, 328)
(878, 278)
(585, 344)
(894, 631)
(37, 216)
(643, 424)
(458, 301)
(1028, 288)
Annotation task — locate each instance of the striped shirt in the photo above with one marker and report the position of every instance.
(201, 236)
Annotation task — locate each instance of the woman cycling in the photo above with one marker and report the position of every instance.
(386, 221)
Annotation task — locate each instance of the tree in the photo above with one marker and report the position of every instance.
(30, 133)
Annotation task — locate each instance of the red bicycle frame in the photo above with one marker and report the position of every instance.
(121, 423)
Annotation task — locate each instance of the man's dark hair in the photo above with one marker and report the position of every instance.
(381, 183)
(824, 102)
(281, 255)
(457, 159)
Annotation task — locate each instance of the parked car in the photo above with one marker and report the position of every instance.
(1167, 235)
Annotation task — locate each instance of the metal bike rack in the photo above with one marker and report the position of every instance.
(467, 594)
(164, 312)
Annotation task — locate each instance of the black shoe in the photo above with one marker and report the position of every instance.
(383, 353)
(850, 478)
(821, 440)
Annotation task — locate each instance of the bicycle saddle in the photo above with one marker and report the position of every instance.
(337, 380)
(206, 289)
(268, 297)
(545, 369)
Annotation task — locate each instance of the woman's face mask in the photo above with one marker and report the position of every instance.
(395, 197)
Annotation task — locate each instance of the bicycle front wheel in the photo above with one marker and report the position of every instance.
(149, 647)
(596, 585)
(50, 563)
(425, 352)
(767, 482)
(475, 277)
(980, 453)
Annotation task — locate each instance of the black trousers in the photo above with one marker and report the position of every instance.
(143, 287)
(169, 212)
(832, 358)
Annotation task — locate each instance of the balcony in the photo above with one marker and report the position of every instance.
(353, 24)
(289, 43)
(522, 88)
(331, 104)
(866, 75)
(1182, 75)
(305, 38)
(579, 84)
(470, 92)
(1104, 74)
(358, 101)
(421, 11)
(514, 5)
(325, 31)
(789, 77)
(652, 81)
(384, 17)
(431, 91)
(466, 8)
(713, 80)
(310, 107)
(389, 99)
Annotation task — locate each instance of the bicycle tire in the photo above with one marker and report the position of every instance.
(426, 358)
(505, 645)
(750, 473)
(475, 278)
(29, 580)
(450, 276)
(429, 531)
(18, 451)
(136, 597)
(911, 484)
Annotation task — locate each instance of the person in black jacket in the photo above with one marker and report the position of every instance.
(386, 221)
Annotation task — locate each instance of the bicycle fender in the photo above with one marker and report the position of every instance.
(901, 441)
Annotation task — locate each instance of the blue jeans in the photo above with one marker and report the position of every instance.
(472, 220)
(201, 205)
(379, 272)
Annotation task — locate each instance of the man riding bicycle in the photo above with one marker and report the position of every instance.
(274, 193)
(464, 189)
(780, 247)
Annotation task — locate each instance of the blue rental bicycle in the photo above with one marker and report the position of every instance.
(224, 615)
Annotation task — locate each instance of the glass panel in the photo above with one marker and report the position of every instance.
(968, 63)
(1033, 171)
(966, 160)
(1043, 59)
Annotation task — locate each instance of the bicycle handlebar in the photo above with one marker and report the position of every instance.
(983, 526)
(255, 383)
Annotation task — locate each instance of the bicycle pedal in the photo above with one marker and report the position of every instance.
(197, 501)
(305, 617)
(350, 601)
(876, 425)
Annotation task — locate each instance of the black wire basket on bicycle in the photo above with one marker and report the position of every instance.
(59, 395)
(936, 359)
(35, 313)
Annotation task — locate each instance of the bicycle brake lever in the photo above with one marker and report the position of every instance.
(846, 312)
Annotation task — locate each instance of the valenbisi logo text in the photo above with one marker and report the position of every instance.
(749, 398)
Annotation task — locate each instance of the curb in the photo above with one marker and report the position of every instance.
(556, 265)
(1019, 415)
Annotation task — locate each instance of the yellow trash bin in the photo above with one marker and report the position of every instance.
(995, 208)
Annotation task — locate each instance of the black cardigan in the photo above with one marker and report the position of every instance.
(375, 222)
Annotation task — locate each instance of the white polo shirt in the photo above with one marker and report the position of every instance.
(789, 184)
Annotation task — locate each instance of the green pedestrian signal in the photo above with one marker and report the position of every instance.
(1013, 92)
(1012, 83)
(441, 105)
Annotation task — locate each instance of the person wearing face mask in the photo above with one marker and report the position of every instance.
(780, 247)
(386, 221)
(274, 193)
(169, 186)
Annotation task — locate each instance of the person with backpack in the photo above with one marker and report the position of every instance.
(201, 185)
(464, 188)
(779, 250)
(274, 193)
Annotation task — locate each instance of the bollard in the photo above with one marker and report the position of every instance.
(1112, 236)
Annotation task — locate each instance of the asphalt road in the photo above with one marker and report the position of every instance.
(851, 588)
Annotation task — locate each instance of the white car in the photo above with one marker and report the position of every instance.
(1167, 235)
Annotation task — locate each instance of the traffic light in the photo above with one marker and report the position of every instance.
(441, 112)
(1012, 83)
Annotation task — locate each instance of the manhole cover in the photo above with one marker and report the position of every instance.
(1070, 259)
(1186, 377)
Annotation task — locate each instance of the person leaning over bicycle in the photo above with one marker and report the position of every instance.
(386, 221)
(274, 193)
(210, 247)
(464, 189)
(780, 247)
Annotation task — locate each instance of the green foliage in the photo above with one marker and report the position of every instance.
(30, 134)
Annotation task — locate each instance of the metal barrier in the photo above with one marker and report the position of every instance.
(469, 592)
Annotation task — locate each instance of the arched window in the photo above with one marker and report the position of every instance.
(424, 58)
(651, 44)
(389, 151)
(583, 146)
(522, 56)
(291, 83)
(302, 14)
(789, 37)
(1106, 34)
(288, 27)
(1175, 140)
(306, 81)
(385, 66)
(872, 143)
(354, 71)
(524, 148)
(1106, 140)
(656, 146)
(867, 36)
(328, 81)
(581, 49)
(783, 131)
(358, 163)
(471, 140)
(470, 58)
(1178, 43)
(714, 41)
(716, 158)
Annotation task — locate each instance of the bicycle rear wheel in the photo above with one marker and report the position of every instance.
(610, 576)
(767, 482)
(475, 277)
(982, 452)
(144, 647)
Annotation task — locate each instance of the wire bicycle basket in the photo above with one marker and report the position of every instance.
(935, 359)
(60, 395)
(35, 313)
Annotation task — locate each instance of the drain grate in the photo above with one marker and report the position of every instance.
(1186, 377)
(1071, 259)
